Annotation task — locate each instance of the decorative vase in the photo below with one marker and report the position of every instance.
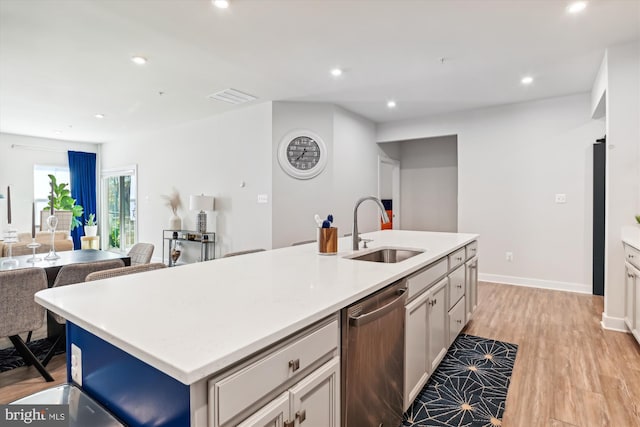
(90, 230)
(175, 223)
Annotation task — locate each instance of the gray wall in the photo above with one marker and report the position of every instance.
(351, 172)
(429, 184)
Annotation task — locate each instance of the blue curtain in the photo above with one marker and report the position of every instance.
(82, 168)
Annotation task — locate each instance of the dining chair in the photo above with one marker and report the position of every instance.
(71, 274)
(141, 253)
(19, 313)
(304, 242)
(123, 271)
(248, 251)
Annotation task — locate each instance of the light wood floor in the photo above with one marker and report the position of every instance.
(568, 371)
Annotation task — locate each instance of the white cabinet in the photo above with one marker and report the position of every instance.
(275, 414)
(471, 284)
(303, 370)
(416, 348)
(632, 290)
(636, 329)
(313, 401)
(426, 337)
(440, 297)
(438, 330)
(630, 296)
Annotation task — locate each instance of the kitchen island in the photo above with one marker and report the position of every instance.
(153, 345)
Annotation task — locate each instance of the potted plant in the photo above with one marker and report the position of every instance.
(90, 226)
(62, 201)
(174, 203)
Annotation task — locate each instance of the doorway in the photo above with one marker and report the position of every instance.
(389, 188)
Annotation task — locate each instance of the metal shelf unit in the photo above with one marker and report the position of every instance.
(170, 238)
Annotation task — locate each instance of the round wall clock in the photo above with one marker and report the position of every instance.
(302, 154)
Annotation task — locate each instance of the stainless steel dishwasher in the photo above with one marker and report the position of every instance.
(373, 359)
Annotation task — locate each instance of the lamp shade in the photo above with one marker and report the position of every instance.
(202, 203)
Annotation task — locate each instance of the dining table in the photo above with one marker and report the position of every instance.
(52, 267)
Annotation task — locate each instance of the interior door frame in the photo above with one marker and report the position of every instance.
(395, 186)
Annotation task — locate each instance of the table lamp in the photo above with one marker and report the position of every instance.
(202, 203)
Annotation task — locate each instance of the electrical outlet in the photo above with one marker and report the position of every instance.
(263, 198)
(76, 364)
(509, 256)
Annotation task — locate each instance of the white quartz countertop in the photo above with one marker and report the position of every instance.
(631, 235)
(195, 320)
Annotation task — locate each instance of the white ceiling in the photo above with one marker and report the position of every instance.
(61, 62)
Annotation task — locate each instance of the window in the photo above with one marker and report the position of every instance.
(119, 201)
(42, 185)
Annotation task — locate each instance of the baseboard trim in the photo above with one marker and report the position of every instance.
(613, 323)
(535, 283)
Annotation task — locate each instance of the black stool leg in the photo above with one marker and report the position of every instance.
(28, 356)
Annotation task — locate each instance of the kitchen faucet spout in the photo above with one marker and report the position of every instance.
(383, 215)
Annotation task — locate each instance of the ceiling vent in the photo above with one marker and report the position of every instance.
(232, 96)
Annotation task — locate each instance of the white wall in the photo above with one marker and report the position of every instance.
(623, 164)
(16, 169)
(211, 156)
(351, 172)
(429, 184)
(512, 160)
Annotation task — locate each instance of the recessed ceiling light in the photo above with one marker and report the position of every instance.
(57, 131)
(527, 80)
(140, 60)
(577, 6)
(221, 4)
(99, 116)
(391, 104)
(336, 72)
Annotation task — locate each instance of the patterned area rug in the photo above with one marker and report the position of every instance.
(469, 387)
(10, 358)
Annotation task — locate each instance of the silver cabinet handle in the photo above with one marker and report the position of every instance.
(301, 416)
(294, 364)
(459, 286)
(459, 258)
(459, 321)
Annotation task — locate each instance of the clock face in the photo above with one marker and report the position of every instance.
(302, 154)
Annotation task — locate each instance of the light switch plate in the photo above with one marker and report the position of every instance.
(263, 198)
(76, 364)
(561, 198)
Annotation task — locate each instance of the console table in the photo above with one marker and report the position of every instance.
(170, 238)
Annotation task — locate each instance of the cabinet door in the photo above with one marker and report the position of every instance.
(274, 414)
(315, 401)
(636, 286)
(416, 348)
(438, 324)
(630, 296)
(471, 283)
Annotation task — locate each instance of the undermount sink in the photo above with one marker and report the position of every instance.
(387, 255)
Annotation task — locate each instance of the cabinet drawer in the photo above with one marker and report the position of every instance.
(471, 249)
(456, 320)
(231, 395)
(418, 282)
(456, 286)
(632, 255)
(456, 258)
